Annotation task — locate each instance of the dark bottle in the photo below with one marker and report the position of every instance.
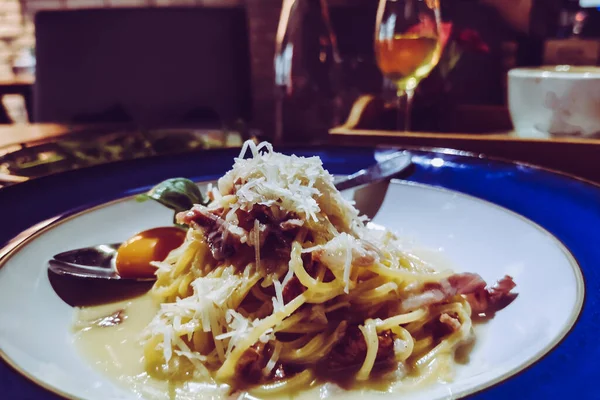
(307, 72)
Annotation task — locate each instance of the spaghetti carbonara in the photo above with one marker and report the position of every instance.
(280, 282)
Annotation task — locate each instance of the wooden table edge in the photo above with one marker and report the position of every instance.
(511, 137)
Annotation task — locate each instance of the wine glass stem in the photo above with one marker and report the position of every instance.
(408, 110)
(405, 99)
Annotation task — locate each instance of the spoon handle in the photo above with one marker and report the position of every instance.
(395, 164)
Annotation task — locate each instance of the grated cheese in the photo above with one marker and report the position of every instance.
(206, 307)
(400, 346)
(297, 185)
(348, 263)
(338, 255)
(273, 360)
(238, 328)
(288, 276)
(257, 243)
(278, 299)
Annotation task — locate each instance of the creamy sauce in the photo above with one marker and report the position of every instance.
(117, 352)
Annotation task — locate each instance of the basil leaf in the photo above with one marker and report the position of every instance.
(140, 198)
(178, 194)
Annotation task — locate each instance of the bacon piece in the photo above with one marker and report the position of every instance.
(251, 363)
(292, 289)
(501, 288)
(200, 215)
(352, 349)
(266, 215)
(276, 232)
(385, 350)
(261, 212)
(450, 321)
(277, 229)
(493, 299)
(434, 293)
(478, 301)
(223, 237)
(464, 284)
(480, 298)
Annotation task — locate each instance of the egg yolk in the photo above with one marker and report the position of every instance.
(134, 256)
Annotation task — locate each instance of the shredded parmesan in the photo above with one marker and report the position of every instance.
(400, 346)
(204, 306)
(288, 276)
(278, 299)
(339, 255)
(257, 243)
(297, 185)
(273, 360)
(348, 264)
(239, 326)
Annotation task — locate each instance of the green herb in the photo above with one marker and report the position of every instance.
(178, 194)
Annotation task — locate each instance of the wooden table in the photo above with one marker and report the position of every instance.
(574, 156)
(15, 135)
(20, 84)
(16, 84)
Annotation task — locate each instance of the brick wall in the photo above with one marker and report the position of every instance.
(16, 34)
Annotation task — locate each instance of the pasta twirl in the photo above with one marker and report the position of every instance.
(280, 279)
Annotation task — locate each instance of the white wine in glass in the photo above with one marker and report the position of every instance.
(407, 46)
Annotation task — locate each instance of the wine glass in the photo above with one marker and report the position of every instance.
(407, 46)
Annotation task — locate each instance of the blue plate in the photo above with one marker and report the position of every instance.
(567, 207)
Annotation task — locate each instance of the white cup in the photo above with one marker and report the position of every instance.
(555, 101)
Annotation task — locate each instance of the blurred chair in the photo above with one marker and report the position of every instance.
(15, 107)
(4, 119)
(146, 66)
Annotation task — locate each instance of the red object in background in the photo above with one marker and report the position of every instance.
(470, 40)
(445, 32)
(455, 42)
(427, 28)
